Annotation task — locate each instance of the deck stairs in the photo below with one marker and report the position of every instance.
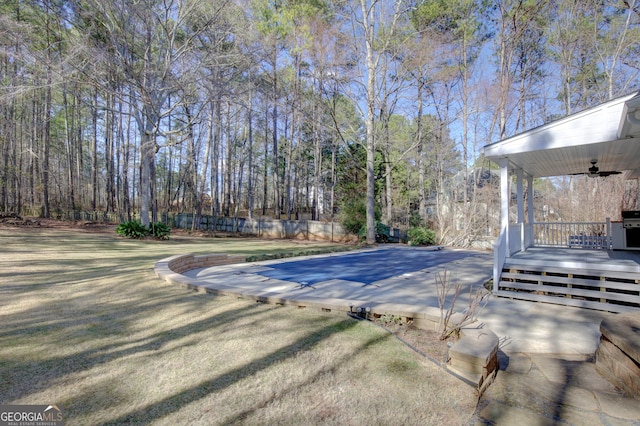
(611, 288)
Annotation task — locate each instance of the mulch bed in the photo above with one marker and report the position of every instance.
(424, 342)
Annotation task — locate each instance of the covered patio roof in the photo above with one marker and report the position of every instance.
(608, 134)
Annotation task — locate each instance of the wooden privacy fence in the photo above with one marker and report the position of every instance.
(273, 228)
(75, 215)
(262, 227)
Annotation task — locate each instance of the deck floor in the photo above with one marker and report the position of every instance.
(629, 260)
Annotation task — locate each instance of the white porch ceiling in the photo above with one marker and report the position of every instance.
(608, 133)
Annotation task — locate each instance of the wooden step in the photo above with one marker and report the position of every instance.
(610, 307)
(559, 290)
(595, 283)
(609, 271)
(569, 282)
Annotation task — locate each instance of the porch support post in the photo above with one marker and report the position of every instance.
(520, 199)
(520, 195)
(504, 195)
(501, 249)
(530, 216)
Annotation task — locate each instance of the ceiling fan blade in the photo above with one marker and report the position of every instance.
(608, 173)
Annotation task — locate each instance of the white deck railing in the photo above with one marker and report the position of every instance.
(572, 234)
(517, 238)
(520, 236)
(499, 256)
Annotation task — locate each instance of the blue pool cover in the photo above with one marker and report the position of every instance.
(364, 267)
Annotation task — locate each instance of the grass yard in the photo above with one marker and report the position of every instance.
(86, 325)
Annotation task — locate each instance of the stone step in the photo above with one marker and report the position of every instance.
(475, 355)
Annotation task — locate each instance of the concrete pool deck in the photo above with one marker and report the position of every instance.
(400, 280)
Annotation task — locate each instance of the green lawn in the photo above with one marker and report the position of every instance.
(86, 325)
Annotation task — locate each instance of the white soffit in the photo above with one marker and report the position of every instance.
(568, 145)
(630, 121)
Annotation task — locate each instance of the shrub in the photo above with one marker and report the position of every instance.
(389, 319)
(383, 232)
(415, 220)
(353, 216)
(421, 236)
(160, 230)
(132, 229)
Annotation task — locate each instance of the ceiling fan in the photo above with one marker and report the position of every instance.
(594, 171)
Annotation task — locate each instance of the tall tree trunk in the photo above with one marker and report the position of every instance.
(191, 172)
(94, 153)
(34, 146)
(147, 169)
(465, 123)
(119, 142)
(250, 158)
(109, 136)
(228, 167)
(387, 169)
(6, 177)
(46, 139)
(370, 121)
(422, 196)
(79, 131)
(205, 166)
(317, 155)
(69, 147)
(276, 162)
(265, 176)
(215, 186)
(238, 192)
(388, 180)
(127, 161)
(288, 168)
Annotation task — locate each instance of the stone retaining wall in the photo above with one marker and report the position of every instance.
(183, 263)
(618, 355)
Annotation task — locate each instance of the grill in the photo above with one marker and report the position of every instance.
(631, 225)
(631, 219)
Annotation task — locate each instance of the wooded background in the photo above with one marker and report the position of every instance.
(301, 108)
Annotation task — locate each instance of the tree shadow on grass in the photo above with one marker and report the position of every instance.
(257, 405)
(22, 378)
(177, 401)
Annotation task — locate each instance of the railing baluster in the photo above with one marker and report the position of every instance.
(564, 234)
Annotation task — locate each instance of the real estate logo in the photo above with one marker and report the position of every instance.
(31, 415)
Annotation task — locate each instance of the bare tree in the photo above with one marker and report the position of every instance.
(147, 41)
(375, 23)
